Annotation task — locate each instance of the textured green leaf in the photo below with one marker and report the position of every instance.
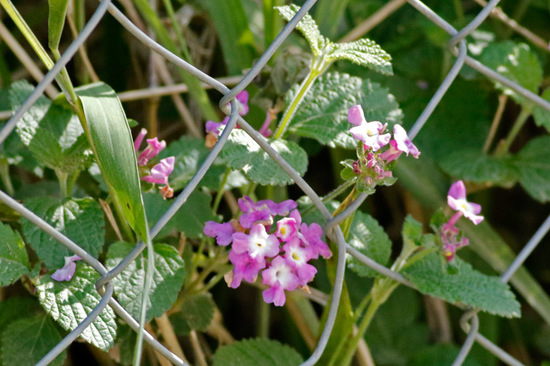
(196, 313)
(441, 354)
(241, 152)
(190, 153)
(368, 237)
(306, 26)
(412, 231)
(70, 302)
(167, 279)
(189, 219)
(14, 308)
(468, 286)
(56, 21)
(363, 52)
(515, 61)
(80, 219)
(26, 341)
(14, 261)
(109, 135)
(534, 168)
(475, 166)
(56, 137)
(541, 115)
(253, 352)
(236, 39)
(323, 114)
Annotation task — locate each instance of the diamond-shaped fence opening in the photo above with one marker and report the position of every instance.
(458, 46)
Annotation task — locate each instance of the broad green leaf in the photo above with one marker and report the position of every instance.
(241, 152)
(236, 39)
(541, 115)
(26, 341)
(27, 125)
(196, 313)
(323, 114)
(56, 21)
(516, 62)
(475, 166)
(307, 27)
(534, 168)
(14, 308)
(412, 231)
(368, 237)
(70, 302)
(259, 351)
(109, 135)
(468, 286)
(81, 220)
(167, 279)
(190, 153)
(14, 261)
(189, 219)
(363, 52)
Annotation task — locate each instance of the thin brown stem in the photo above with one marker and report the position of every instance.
(169, 336)
(160, 358)
(217, 330)
(25, 59)
(365, 26)
(111, 218)
(196, 344)
(502, 99)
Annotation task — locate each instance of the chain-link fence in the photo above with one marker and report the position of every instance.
(457, 45)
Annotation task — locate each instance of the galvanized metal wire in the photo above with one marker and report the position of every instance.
(457, 45)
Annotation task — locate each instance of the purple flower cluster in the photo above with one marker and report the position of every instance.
(456, 199)
(154, 173)
(372, 164)
(282, 254)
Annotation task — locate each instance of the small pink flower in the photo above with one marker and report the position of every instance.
(264, 130)
(312, 236)
(222, 232)
(279, 277)
(242, 98)
(67, 272)
(154, 147)
(370, 133)
(297, 256)
(245, 267)
(456, 199)
(258, 244)
(139, 138)
(262, 211)
(161, 171)
(404, 144)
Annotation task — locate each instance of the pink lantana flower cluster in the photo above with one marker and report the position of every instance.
(373, 162)
(279, 250)
(450, 234)
(150, 171)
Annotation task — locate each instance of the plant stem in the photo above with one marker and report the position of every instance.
(262, 329)
(5, 175)
(62, 177)
(304, 87)
(502, 99)
(219, 194)
(518, 124)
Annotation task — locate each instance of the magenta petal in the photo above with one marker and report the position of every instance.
(356, 115)
(475, 208)
(222, 232)
(275, 295)
(67, 272)
(161, 171)
(139, 138)
(458, 190)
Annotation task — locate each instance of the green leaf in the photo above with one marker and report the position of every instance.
(412, 231)
(329, 15)
(369, 238)
(14, 261)
(189, 219)
(27, 125)
(541, 115)
(56, 21)
(534, 168)
(190, 153)
(468, 286)
(196, 313)
(167, 279)
(252, 352)
(474, 166)
(81, 220)
(363, 52)
(516, 62)
(14, 308)
(109, 135)
(441, 354)
(241, 152)
(26, 341)
(70, 302)
(323, 114)
(235, 36)
(306, 26)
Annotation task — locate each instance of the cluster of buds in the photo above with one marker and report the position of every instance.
(213, 129)
(281, 250)
(450, 234)
(149, 170)
(372, 164)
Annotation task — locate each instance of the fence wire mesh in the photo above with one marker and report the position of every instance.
(457, 44)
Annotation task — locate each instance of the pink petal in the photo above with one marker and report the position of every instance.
(356, 115)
